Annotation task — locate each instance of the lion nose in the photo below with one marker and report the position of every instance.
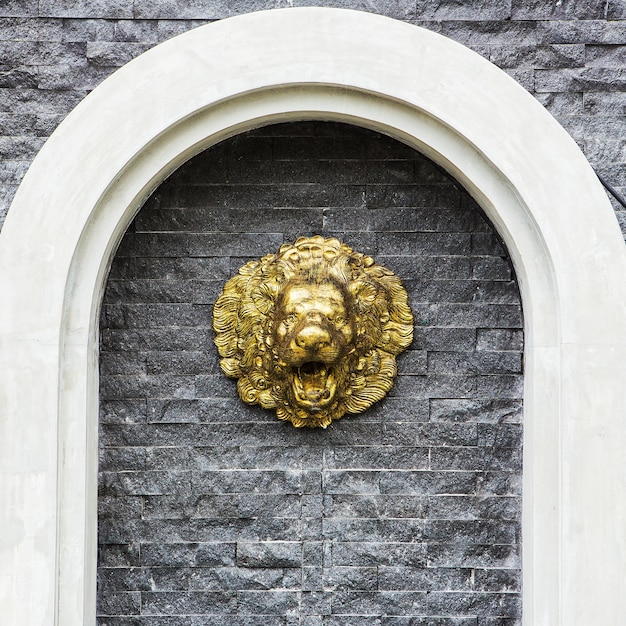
(312, 338)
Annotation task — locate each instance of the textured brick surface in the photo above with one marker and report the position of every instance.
(569, 54)
(214, 512)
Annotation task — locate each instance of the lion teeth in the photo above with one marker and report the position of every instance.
(311, 381)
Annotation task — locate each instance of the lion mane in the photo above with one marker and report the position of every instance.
(377, 326)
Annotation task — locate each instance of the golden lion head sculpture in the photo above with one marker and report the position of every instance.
(312, 331)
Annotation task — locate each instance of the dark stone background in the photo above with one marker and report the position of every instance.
(214, 512)
(570, 54)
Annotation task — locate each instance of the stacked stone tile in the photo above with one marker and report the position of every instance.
(214, 512)
(412, 509)
(570, 55)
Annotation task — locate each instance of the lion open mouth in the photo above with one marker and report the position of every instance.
(314, 384)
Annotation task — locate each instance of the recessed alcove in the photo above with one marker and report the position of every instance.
(214, 509)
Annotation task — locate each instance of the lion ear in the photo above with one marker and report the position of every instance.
(364, 295)
(264, 297)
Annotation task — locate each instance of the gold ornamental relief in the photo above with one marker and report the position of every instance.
(312, 331)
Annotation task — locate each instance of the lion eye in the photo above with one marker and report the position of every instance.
(290, 319)
(339, 320)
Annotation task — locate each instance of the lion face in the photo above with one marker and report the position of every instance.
(312, 331)
(313, 334)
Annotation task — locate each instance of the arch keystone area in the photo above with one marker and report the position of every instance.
(184, 95)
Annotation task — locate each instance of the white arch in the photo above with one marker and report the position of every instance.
(149, 117)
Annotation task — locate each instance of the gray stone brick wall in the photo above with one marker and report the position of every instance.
(170, 432)
(214, 512)
(569, 54)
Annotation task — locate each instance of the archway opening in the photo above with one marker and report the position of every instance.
(214, 508)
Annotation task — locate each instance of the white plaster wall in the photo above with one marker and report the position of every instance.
(149, 117)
